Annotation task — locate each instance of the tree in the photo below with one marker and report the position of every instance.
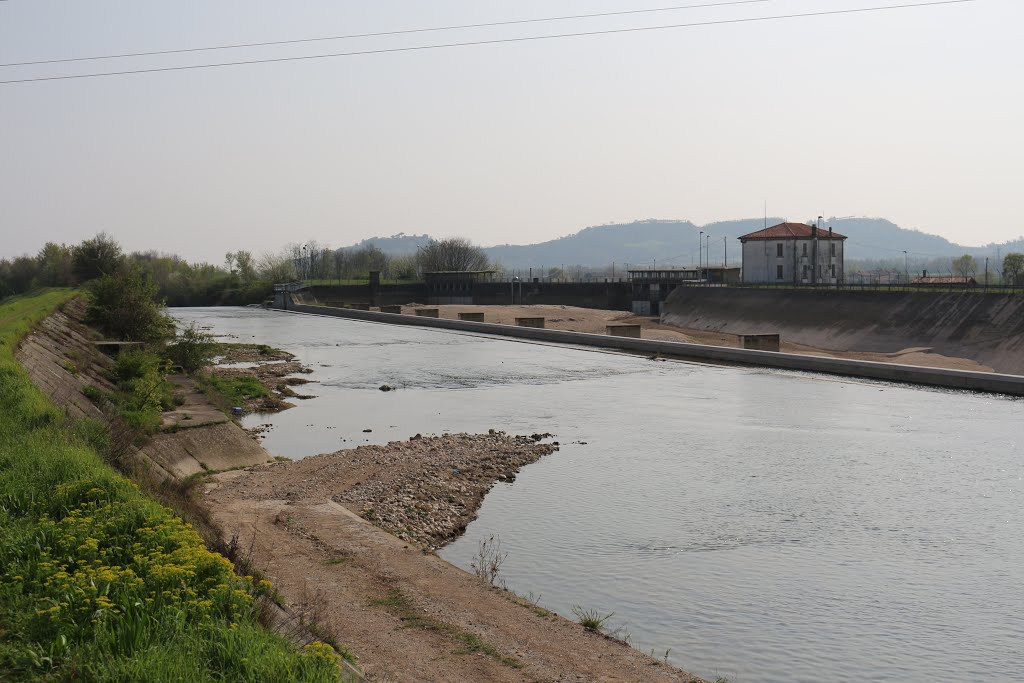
(55, 261)
(124, 306)
(246, 265)
(965, 266)
(277, 267)
(96, 257)
(1013, 269)
(455, 253)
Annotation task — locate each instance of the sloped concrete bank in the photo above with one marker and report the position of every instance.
(987, 328)
(62, 361)
(890, 372)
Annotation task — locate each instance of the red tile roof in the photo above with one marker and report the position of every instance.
(789, 231)
(945, 280)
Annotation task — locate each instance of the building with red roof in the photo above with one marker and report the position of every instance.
(793, 253)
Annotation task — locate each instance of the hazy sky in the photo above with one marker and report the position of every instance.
(915, 115)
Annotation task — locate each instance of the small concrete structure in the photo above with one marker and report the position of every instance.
(359, 307)
(759, 342)
(530, 322)
(428, 312)
(472, 317)
(390, 309)
(632, 331)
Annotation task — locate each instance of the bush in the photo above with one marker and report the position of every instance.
(191, 349)
(124, 306)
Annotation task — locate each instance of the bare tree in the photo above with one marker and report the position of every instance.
(456, 253)
(277, 267)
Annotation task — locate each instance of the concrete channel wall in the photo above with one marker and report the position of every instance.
(937, 377)
(987, 328)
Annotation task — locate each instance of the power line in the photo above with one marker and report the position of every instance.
(474, 43)
(387, 33)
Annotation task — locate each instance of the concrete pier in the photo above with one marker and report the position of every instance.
(759, 342)
(428, 312)
(530, 322)
(472, 317)
(631, 331)
(390, 309)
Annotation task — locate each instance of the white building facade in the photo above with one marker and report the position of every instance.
(793, 253)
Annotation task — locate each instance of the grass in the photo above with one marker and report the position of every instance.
(402, 606)
(99, 582)
(237, 390)
(592, 620)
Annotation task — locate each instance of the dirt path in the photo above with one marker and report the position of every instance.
(407, 614)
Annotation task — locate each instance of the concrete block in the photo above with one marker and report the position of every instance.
(359, 307)
(530, 322)
(391, 309)
(632, 331)
(472, 317)
(428, 312)
(759, 342)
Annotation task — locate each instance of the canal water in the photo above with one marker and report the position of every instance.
(754, 524)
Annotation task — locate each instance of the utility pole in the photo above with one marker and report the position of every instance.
(725, 252)
(700, 251)
(986, 272)
(906, 266)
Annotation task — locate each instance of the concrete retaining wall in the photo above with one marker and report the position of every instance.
(988, 328)
(955, 379)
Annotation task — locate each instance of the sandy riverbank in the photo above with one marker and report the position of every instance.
(407, 614)
(594, 321)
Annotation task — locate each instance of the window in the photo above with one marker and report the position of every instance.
(805, 251)
(778, 269)
(805, 267)
(833, 270)
(833, 245)
(778, 249)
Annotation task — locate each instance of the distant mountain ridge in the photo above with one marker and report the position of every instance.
(674, 242)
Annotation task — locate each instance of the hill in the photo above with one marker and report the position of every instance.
(674, 242)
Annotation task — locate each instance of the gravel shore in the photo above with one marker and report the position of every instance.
(424, 491)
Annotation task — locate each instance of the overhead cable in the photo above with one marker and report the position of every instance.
(269, 60)
(380, 34)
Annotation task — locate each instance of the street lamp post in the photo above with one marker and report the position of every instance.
(700, 252)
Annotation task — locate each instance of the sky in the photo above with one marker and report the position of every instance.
(913, 115)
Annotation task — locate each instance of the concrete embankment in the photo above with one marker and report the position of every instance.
(63, 361)
(953, 379)
(987, 328)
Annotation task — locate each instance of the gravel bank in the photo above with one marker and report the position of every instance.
(425, 490)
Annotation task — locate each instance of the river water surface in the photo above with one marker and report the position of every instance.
(755, 524)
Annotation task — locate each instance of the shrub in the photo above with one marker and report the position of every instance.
(124, 306)
(191, 349)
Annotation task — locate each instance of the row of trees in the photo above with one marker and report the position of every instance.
(243, 278)
(314, 262)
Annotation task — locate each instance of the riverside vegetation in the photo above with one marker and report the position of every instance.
(98, 581)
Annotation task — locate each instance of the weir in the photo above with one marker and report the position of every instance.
(890, 372)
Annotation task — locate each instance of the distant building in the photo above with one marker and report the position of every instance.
(945, 281)
(793, 253)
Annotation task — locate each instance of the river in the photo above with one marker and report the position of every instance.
(754, 524)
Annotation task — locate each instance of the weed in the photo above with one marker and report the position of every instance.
(590, 619)
(487, 562)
